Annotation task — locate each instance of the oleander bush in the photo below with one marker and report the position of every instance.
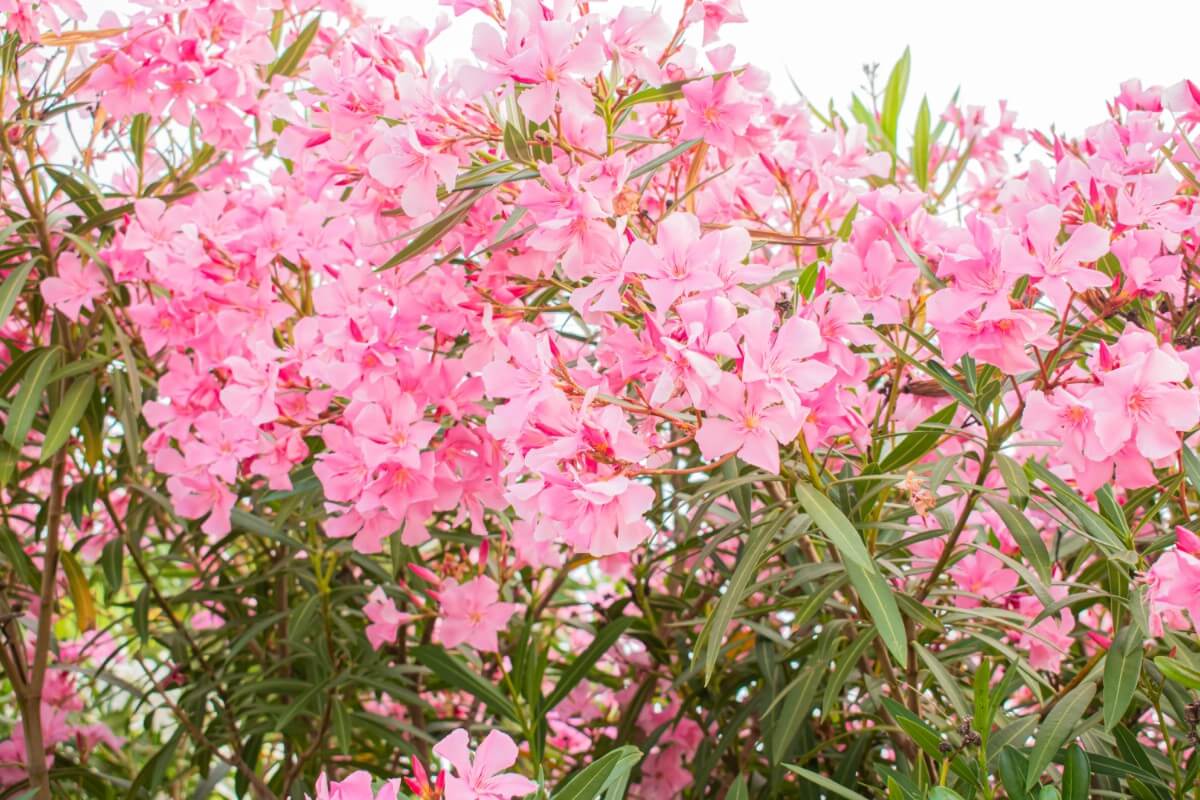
(580, 418)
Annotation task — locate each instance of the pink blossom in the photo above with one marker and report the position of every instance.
(75, 287)
(483, 776)
(471, 614)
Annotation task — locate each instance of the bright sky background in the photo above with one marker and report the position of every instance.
(1055, 61)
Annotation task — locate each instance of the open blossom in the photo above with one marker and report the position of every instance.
(482, 776)
(472, 614)
(385, 619)
(357, 786)
(1143, 402)
(1059, 269)
(751, 423)
(75, 287)
(717, 111)
(401, 161)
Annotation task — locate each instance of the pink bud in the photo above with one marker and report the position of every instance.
(1187, 541)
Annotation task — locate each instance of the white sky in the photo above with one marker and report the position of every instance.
(1055, 61)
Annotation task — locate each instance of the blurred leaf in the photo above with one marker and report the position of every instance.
(825, 783)
(81, 592)
(289, 59)
(455, 673)
(1179, 672)
(20, 561)
(579, 667)
(712, 635)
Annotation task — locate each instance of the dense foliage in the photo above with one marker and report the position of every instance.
(580, 419)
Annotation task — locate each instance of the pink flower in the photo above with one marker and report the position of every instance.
(75, 286)
(356, 787)
(717, 111)
(680, 263)
(751, 424)
(385, 619)
(715, 13)
(553, 64)
(871, 273)
(1142, 401)
(398, 158)
(472, 614)
(1058, 268)
(482, 777)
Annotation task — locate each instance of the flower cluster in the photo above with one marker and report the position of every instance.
(586, 391)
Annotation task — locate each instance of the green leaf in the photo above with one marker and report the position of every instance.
(893, 97)
(67, 415)
(943, 793)
(864, 573)
(877, 596)
(825, 783)
(81, 592)
(112, 561)
(22, 564)
(29, 397)
(454, 672)
(148, 781)
(1099, 528)
(921, 146)
(920, 441)
(137, 138)
(1012, 768)
(1077, 774)
(833, 523)
(11, 289)
(596, 778)
(665, 158)
(739, 790)
(429, 235)
(1015, 479)
(289, 59)
(1122, 667)
(1023, 533)
(712, 635)
(515, 145)
(1179, 672)
(1057, 729)
(579, 667)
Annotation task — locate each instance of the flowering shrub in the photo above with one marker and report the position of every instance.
(581, 419)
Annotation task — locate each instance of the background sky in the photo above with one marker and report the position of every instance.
(1055, 61)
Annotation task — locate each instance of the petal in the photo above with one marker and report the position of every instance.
(497, 753)
(717, 437)
(455, 748)
(761, 450)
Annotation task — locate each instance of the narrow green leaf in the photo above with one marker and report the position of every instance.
(289, 59)
(1015, 479)
(11, 289)
(833, 523)
(67, 415)
(664, 158)
(1057, 729)
(920, 441)
(712, 635)
(877, 596)
(739, 790)
(1023, 533)
(825, 783)
(429, 235)
(29, 397)
(893, 97)
(1179, 672)
(454, 672)
(597, 777)
(1012, 768)
(921, 146)
(1122, 668)
(1077, 774)
(579, 667)
(22, 564)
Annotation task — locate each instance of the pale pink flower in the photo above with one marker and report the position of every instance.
(483, 776)
(472, 614)
(75, 287)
